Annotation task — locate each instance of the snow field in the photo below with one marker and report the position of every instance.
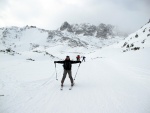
(113, 84)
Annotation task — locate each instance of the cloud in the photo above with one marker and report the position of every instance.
(50, 14)
(3, 4)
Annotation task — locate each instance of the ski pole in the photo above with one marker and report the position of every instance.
(77, 71)
(56, 71)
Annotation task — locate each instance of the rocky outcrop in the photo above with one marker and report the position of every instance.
(100, 31)
(66, 26)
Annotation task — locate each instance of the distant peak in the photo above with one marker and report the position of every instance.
(66, 26)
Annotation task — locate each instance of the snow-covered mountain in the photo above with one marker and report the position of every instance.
(85, 36)
(138, 40)
(69, 38)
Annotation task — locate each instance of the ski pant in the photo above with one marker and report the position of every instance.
(64, 76)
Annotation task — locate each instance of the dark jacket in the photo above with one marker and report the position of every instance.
(67, 64)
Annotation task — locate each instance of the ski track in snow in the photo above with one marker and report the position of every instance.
(100, 87)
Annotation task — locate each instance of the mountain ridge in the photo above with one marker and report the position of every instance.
(30, 39)
(77, 36)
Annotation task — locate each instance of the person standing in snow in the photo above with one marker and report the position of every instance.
(78, 57)
(67, 64)
(83, 58)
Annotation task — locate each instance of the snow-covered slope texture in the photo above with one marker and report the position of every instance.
(22, 39)
(138, 40)
(111, 83)
(28, 42)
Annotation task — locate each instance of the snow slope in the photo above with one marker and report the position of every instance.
(138, 40)
(108, 84)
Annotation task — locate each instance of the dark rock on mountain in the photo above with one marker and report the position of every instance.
(100, 31)
(66, 26)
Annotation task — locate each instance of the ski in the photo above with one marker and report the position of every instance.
(61, 88)
(70, 88)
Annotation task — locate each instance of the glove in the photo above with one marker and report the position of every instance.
(55, 61)
(80, 62)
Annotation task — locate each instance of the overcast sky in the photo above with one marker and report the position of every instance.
(128, 15)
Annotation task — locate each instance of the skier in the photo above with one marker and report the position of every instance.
(83, 58)
(67, 69)
(78, 57)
